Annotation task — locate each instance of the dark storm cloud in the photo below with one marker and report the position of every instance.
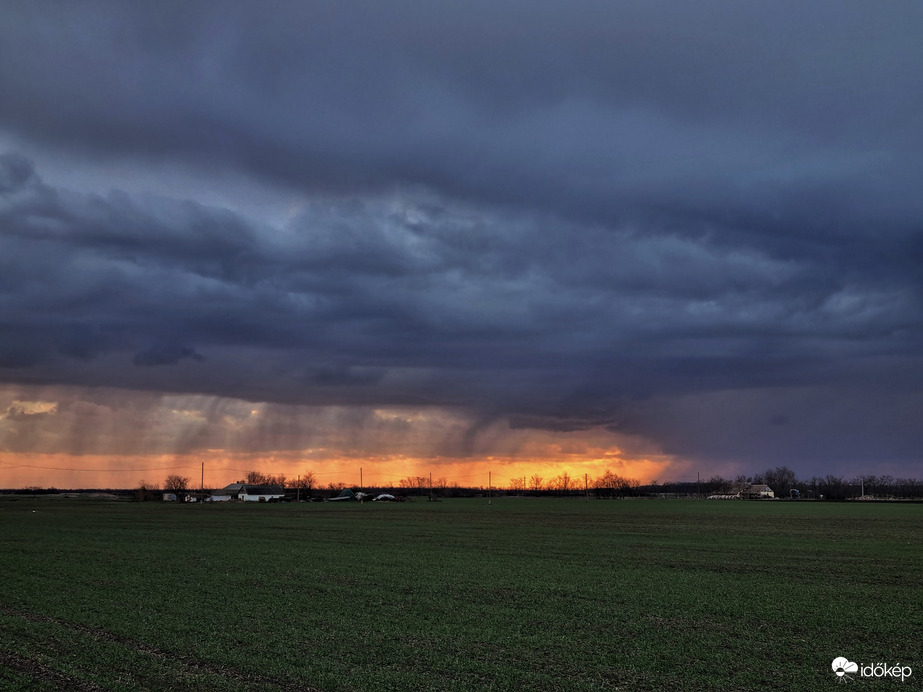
(165, 355)
(622, 215)
(589, 109)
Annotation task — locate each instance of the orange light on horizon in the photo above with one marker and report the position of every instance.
(218, 469)
(87, 438)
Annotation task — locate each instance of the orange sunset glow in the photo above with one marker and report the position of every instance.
(219, 468)
(72, 438)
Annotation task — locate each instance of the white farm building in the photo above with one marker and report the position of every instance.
(744, 491)
(247, 492)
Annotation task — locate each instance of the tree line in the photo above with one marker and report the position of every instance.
(783, 481)
(609, 484)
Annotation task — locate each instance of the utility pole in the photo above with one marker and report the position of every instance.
(586, 486)
(430, 486)
(202, 496)
(489, 483)
(298, 489)
(360, 478)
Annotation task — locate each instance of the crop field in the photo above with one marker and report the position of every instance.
(518, 593)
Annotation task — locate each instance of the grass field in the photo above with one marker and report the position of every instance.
(540, 594)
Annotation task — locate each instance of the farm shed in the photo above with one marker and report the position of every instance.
(227, 493)
(247, 492)
(261, 493)
(746, 491)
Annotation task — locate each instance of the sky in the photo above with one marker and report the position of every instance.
(482, 240)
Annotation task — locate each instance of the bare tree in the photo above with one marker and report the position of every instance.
(144, 490)
(418, 483)
(785, 478)
(608, 482)
(518, 484)
(613, 483)
(535, 483)
(561, 483)
(743, 485)
(306, 481)
(257, 478)
(176, 483)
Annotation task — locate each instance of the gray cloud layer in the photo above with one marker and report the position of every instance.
(695, 222)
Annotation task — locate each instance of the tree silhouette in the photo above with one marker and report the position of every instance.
(176, 483)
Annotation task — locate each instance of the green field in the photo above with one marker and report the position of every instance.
(540, 594)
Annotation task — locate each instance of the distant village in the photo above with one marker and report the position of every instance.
(776, 484)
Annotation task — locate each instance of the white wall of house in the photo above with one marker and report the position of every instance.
(256, 498)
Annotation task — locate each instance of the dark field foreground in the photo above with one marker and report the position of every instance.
(460, 595)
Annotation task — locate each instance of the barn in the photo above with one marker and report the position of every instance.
(746, 491)
(248, 492)
(261, 493)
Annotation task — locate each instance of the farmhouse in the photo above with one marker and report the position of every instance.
(745, 491)
(248, 492)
